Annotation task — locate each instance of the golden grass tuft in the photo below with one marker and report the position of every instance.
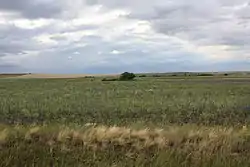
(197, 141)
(3, 136)
(31, 133)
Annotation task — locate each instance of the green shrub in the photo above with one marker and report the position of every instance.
(205, 75)
(126, 76)
(109, 79)
(89, 77)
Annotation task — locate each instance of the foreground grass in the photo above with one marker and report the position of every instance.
(187, 122)
(123, 146)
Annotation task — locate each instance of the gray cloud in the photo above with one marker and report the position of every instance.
(17, 41)
(216, 22)
(31, 8)
(8, 67)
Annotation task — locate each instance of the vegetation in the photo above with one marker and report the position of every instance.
(121, 146)
(8, 75)
(206, 75)
(89, 77)
(142, 76)
(126, 76)
(151, 122)
(122, 103)
(110, 79)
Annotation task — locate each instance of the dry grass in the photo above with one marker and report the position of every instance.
(11, 75)
(195, 140)
(102, 145)
(3, 136)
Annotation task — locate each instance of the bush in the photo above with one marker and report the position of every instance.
(126, 76)
(109, 79)
(89, 77)
(205, 75)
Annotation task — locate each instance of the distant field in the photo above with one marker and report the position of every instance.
(182, 75)
(44, 76)
(10, 75)
(194, 121)
(51, 76)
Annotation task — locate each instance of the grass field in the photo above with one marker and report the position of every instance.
(167, 121)
(11, 75)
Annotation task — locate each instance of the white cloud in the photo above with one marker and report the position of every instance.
(31, 24)
(45, 39)
(76, 53)
(116, 52)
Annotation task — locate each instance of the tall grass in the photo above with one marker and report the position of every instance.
(149, 122)
(123, 146)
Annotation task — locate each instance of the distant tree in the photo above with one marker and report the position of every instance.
(89, 77)
(225, 74)
(205, 75)
(126, 76)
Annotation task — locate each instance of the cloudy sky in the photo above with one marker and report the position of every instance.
(110, 36)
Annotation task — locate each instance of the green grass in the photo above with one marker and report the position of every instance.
(80, 101)
(146, 102)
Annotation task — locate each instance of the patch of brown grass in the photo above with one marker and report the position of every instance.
(196, 141)
(11, 75)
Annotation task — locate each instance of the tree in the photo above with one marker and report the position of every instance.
(126, 76)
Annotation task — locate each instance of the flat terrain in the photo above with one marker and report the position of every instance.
(51, 76)
(44, 76)
(11, 75)
(152, 121)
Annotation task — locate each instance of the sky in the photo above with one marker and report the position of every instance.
(113, 36)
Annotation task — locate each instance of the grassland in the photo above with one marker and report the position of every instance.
(166, 121)
(11, 75)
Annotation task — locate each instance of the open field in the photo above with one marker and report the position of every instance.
(197, 121)
(50, 76)
(11, 75)
(177, 75)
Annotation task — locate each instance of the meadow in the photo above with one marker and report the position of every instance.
(165, 121)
